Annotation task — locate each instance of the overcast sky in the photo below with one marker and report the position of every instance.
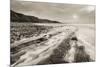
(65, 13)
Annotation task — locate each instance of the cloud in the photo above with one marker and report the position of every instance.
(88, 9)
(54, 11)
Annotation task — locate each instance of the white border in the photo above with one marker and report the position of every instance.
(5, 33)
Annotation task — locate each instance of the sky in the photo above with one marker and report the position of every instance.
(63, 12)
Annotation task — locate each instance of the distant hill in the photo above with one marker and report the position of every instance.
(18, 17)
